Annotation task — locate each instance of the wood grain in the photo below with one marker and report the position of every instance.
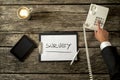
(53, 18)
(58, 1)
(53, 15)
(9, 64)
(8, 39)
(51, 77)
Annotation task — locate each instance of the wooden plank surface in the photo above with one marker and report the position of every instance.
(51, 77)
(57, 1)
(9, 64)
(53, 15)
(8, 39)
(53, 18)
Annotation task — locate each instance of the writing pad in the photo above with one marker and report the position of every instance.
(58, 46)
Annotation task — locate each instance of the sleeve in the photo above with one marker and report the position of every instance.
(105, 44)
(112, 60)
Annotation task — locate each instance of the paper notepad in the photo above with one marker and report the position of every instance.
(58, 46)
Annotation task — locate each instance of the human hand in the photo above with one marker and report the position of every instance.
(101, 35)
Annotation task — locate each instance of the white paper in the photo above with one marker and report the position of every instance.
(58, 47)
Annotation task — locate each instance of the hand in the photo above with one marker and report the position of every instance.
(101, 35)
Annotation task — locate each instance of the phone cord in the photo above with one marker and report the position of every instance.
(87, 55)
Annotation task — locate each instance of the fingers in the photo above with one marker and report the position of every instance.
(98, 24)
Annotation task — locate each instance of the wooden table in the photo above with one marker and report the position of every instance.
(53, 15)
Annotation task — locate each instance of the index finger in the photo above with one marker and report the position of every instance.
(98, 24)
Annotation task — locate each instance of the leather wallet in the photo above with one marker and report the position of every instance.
(23, 48)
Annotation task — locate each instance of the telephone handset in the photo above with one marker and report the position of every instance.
(96, 13)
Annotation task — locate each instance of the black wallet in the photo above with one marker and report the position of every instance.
(23, 48)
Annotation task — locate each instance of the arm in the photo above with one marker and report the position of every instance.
(111, 58)
(109, 53)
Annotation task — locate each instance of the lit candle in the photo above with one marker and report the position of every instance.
(24, 13)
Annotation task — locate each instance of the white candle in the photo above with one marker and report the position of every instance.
(24, 13)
